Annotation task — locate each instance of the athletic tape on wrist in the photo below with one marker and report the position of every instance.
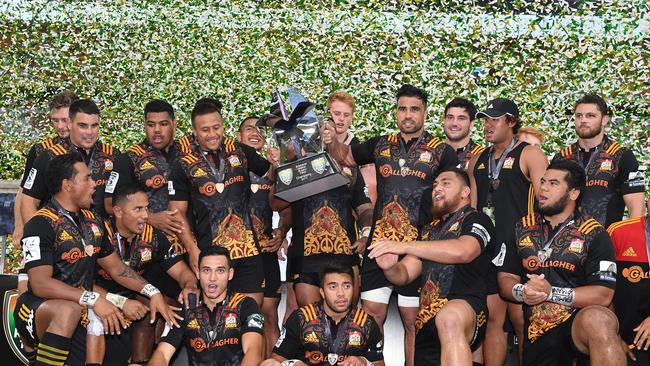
(518, 292)
(88, 298)
(149, 290)
(116, 299)
(562, 295)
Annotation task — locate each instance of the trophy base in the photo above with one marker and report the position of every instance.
(307, 176)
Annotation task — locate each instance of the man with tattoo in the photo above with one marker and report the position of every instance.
(61, 245)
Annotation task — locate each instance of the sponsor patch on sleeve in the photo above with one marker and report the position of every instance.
(255, 321)
(31, 248)
(636, 179)
(482, 232)
(112, 182)
(29, 182)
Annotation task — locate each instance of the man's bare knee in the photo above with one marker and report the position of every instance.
(64, 316)
(593, 324)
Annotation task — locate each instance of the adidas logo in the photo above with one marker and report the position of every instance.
(629, 252)
(311, 338)
(146, 165)
(526, 241)
(482, 166)
(65, 236)
(193, 324)
(199, 173)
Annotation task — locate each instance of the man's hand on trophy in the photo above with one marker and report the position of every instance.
(273, 154)
(328, 133)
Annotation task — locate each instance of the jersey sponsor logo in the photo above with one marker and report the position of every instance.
(108, 165)
(636, 179)
(234, 161)
(9, 325)
(526, 242)
(231, 321)
(29, 182)
(533, 263)
(425, 157)
(509, 162)
(208, 189)
(597, 182)
(606, 165)
(31, 248)
(198, 173)
(355, 339)
(193, 324)
(386, 171)
(145, 254)
(65, 236)
(635, 274)
(146, 165)
(607, 266)
(311, 337)
(156, 181)
(317, 358)
(385, 153)
(482, 232)
(75, 254)
(255, 321)
(629, 252)
(100, 182)
(576, 245)
(112, 182)
(199, 345)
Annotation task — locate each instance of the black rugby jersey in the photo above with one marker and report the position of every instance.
(150, 254)
(404, 171)
(323, 225)
(214, 337)
(632, 295)
(514, 197)
(261, 212)
(35, 151)
(146, 167)
(218, 192)
(69, 243)
(443, 282)
(304, 336)
(580, 254)
(99, 162)
(465, 154)
(612, 172)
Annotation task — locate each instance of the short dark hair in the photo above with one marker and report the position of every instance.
(517, 120)
(60, 168)
(408, 90)
(460, 173)
(86, 106)
(63, 99)
(201, 109)
(157, 106)
(593, 98)
(241, 124)
(122, 194)
(468, 106)
(214, 101)
(575, 177)
(215, 250)
(335, 267)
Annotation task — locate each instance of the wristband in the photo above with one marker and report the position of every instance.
(149, 290)
(561, 295)
(518, 292)
(116, 299)
(365, 231)
(23, 277)
(289, 362)
(88, 298)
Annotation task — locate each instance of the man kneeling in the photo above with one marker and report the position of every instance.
(452, 265)
(331, 331)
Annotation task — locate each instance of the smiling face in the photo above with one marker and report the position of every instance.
(249, 134)
(84, 130)
(208, 129)
(449, 194)
(457, 124)
(159, 129)
(132, 213)
(337, 291)
(214, 274)
(411, 112)
(60, 119)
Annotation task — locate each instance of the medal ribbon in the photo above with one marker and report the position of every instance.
(548, 243)
(449, 223)
(334, 344)
(592, 157)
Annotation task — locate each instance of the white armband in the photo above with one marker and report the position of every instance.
(149, 290)
(117, 300)
(89, 298)
(23, 277)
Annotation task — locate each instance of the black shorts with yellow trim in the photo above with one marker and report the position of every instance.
(427, 343)
(249, 275)
(553, 348)
(271, 275)
(25, 316)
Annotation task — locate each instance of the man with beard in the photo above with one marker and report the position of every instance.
(60, 119)
(270, 239)
(147, 165)
(331, 331)
(631, 240)
(406, 165)
(63, 242)
(224, 329)
(213, 174)
(504, 179)
(83, 140)
(613, 177)
(458, 124)
(568, 262)
(452, 266)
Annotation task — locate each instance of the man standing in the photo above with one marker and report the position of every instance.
(213, 174)
(60, 119)
(83, 140)
(61, 245)
(224, 329)
(570, 270)
(331, 331)
(458, 124)
(631, 240)
(613, 179)
(270, 239)
(452, 266)
(406, 165)
(504, 179)
(148, 164)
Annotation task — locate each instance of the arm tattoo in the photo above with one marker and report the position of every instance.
(129, 273)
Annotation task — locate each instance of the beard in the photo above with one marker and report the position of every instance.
(444, 209)
(556, 208)
(589, 133)
(455, 138)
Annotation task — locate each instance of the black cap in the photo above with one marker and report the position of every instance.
(500, 107)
